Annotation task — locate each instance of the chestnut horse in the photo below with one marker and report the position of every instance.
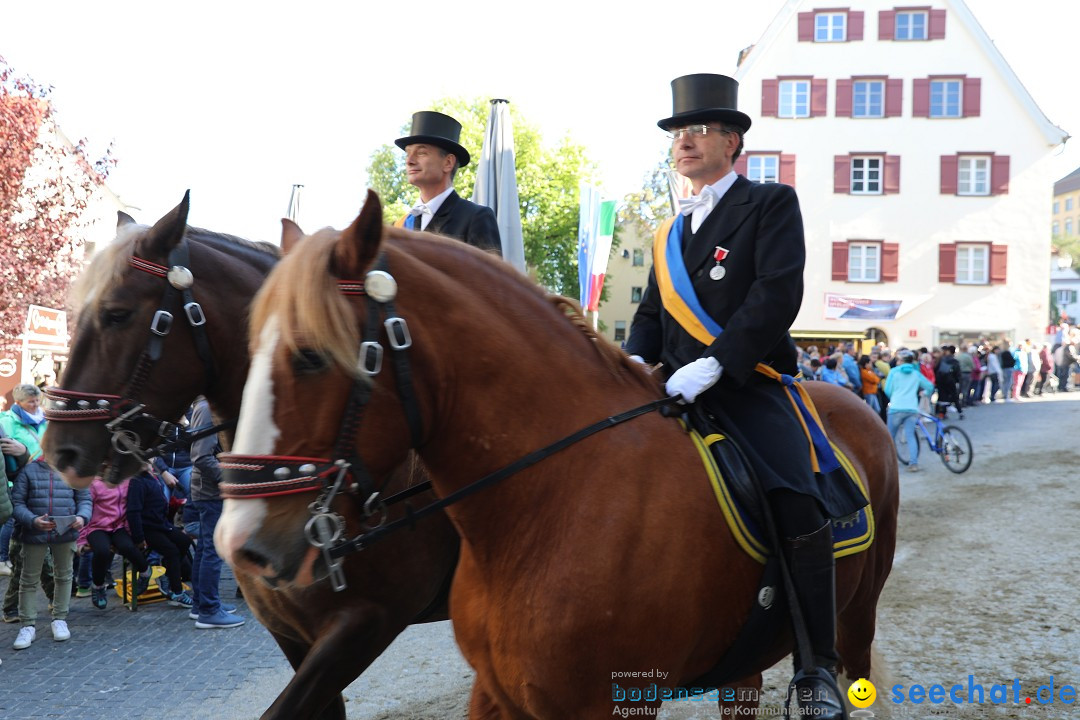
(329, 638)
(609, 556)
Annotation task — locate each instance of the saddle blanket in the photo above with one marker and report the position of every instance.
(851, 535)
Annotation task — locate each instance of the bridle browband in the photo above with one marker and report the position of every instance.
(264, 476)
(123, 414)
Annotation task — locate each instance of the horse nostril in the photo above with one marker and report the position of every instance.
(254, 557)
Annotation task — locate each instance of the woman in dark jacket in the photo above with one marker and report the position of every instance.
(49, 515)
(147, 514)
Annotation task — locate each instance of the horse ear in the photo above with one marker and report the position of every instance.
(167, 232)
(122, 219)
(290, 235)
(359, 245)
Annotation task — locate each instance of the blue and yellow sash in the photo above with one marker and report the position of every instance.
(407, 221)
(681, 302)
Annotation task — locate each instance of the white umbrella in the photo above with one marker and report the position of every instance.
(496, 182)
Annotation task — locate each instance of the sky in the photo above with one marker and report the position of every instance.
(239, 100)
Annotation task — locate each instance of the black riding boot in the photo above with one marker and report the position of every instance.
(810, 560)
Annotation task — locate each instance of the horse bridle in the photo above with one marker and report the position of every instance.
(123, 414)
(263, 476)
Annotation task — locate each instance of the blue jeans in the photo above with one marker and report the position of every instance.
(183, 476)
(5, 536)
(908, 420)
(206, 570)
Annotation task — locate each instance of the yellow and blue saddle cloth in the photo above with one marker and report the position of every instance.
(851, 535)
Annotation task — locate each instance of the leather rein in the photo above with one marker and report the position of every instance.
(265, 476)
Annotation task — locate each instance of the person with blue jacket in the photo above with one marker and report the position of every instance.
(902, 387)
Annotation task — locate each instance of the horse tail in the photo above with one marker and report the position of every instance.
(882, 678)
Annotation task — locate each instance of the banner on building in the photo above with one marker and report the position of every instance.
(849, 307)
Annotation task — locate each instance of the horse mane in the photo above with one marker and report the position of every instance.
(615, 359)
(314, 314)
(109, 264)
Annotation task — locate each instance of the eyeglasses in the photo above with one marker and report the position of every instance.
(694, 131)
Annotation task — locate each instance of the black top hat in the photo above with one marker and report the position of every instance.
(704, 97)
(436, 129)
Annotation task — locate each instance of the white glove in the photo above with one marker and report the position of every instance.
(693, 379)
(638, 359)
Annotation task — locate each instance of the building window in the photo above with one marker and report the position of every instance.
(945, 98)
(763, 168)
(1068, 204)
(1057, 207)
(868, 98)
(865, 175)
(973, 175)
(639, 258)
(910, 25)
(864, 262)
(635, 294)
(1065, 297)
(1056, 229)
(620, 331)
(1068, 227)
(972, 264)
(830, 27)
(794, 99)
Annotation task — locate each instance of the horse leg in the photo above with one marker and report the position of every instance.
(295, 652)
(346, 646)
(481, 705)
(740, 698)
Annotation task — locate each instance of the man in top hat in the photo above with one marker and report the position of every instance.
(730, 272)
(432, 158)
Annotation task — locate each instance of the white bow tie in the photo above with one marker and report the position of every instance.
(420, 209)
(705, 199)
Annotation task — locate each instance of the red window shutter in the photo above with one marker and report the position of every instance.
(920, 97)
(892, 174)
(972, 96)
(999, 175)
(890, 262)
(886, 25)
(854, 25)
(806, 27)
(999, 255)
(770, 98)
(787, 169)
(894, 97)
(819, 92)
(839, 260)
(740, 165)
(842, 174)
(937, 25)
(843, 98)
(950, 168)
(947, 262)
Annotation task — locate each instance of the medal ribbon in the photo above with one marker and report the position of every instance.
(681, 302)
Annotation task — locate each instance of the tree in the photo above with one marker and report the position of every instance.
(548, 188)
(642, 212)
(45, 184)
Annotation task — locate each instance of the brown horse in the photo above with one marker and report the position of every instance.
(608, 557)
(329, 638)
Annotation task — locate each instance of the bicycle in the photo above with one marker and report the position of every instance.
(949, 442)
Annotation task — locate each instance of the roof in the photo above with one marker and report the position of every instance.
(1068, 183)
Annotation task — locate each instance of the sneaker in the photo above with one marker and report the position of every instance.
(194, 614)
(82, 592)
(163, 586)
(11, 616)
(26, 636)
(60, 631)
(101, 597)
(180, 599)
(914, 468)
(142, 584)
(5, 568)
(220, 619)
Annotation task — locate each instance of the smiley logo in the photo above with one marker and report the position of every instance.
(862, 693)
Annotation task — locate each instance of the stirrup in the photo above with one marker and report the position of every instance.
(816, 696)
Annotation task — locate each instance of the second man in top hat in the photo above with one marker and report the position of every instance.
(432, 158)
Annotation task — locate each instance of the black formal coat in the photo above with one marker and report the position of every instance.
(466, 221)
(755, 303)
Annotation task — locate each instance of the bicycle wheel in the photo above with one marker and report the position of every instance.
(901, 442)
(956, 450)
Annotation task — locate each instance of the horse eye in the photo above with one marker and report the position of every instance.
(116, 318)
(308, 362)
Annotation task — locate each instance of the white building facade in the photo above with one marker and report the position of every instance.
(921, 165)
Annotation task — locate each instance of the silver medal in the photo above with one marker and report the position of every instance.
(718, 272)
